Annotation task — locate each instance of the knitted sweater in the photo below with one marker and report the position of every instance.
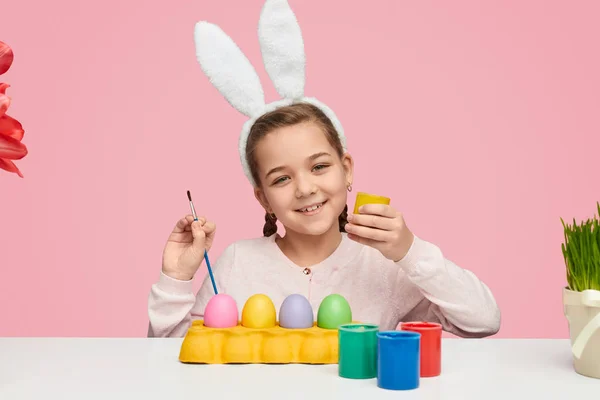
(423, 286)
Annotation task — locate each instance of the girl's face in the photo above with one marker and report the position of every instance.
(304, 182)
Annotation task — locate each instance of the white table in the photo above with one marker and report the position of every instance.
(96, 368)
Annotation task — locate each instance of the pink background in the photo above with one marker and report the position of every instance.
(479, 121)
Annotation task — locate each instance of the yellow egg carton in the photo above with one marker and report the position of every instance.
(275, 345)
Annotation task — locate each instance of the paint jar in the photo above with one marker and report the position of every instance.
(431, 346)
(366, 198)
(357, 351)
(398, 355)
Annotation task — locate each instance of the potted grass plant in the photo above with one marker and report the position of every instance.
(581, 298)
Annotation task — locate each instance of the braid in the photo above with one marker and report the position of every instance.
(270, 225)
(343, 219)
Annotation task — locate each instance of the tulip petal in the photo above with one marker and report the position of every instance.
(3, 87)
(10, 166)
(6, 57)
(11, 148)
(11, 127)
(4, 104)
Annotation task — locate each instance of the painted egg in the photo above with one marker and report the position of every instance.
(259, 312)
(221, 312)
(296, 313)
(333, 312)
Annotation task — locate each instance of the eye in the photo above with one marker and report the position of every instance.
(279, 180)
(320, 167)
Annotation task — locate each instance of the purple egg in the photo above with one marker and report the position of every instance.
(296, 313)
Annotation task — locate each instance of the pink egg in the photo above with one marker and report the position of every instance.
(221, 312)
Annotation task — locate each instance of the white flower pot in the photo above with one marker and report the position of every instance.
(582, 310)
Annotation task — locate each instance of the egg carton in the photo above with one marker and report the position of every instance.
(274, 345)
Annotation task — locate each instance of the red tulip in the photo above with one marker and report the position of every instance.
(10, 166)
(11, 134)
(11, 148)
(11, 128)
(4, 104)
(6, 57)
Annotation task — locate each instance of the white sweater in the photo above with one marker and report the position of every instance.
(423, 286)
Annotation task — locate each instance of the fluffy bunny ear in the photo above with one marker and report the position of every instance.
(228, 69)
(282, 48)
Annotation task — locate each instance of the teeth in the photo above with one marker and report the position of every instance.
(311, 208)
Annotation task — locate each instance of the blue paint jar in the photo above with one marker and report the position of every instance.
(398, 360)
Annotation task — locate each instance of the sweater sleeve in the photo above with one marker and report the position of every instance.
(172, 304)
(453, 296)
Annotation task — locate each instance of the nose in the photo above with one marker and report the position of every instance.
(305, 186)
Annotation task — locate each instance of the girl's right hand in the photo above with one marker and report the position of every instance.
(185, 247)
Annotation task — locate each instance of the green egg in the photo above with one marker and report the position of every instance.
(333, 312)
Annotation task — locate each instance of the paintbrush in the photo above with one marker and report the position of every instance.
(212, 278)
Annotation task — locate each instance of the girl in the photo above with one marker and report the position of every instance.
(302, 177)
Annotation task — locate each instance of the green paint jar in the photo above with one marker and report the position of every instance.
(357, 351)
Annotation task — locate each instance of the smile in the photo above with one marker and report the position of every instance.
(312, 209)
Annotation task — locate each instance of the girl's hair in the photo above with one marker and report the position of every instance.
(287, 116)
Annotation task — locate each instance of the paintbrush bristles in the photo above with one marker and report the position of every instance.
(192, 205)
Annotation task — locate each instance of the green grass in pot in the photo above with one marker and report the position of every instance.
(581, 251)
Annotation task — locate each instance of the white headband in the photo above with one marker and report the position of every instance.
(229, 70)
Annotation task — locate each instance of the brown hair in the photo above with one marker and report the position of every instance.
(286, 116)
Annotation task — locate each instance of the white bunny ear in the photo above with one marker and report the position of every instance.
(282, 48)
(228, 69)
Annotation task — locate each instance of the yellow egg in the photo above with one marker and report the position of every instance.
(259, 312)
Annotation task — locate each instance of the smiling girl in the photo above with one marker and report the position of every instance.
(302, 177)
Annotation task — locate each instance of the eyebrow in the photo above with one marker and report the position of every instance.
(312, 157)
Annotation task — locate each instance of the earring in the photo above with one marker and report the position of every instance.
(349, 187)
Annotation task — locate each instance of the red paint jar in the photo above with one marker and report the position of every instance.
(431, 346)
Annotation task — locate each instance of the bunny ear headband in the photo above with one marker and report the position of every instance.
(229, 70)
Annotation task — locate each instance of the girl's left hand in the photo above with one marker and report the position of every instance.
(381, 227)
